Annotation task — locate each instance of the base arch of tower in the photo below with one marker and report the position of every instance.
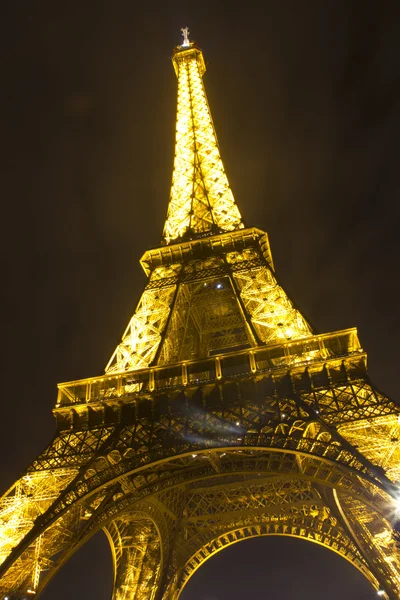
(208, 481)
(222, 512)
(168, 478)
(207, 511)
(159, 542)
(231, 537)
(317, 455)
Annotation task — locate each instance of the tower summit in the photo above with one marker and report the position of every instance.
(201, 200)
(221, 415)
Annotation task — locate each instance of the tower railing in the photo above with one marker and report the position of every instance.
(301, 354)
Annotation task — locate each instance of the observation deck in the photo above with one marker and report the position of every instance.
(299, 365)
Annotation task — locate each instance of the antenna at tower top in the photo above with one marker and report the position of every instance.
(185, 33)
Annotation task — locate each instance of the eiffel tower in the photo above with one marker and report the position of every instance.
(221, 416)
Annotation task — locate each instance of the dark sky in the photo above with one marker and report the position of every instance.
(305, 97)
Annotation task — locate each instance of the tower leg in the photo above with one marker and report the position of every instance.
(136, 548)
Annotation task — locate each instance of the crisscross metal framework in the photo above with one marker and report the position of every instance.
(221, 415)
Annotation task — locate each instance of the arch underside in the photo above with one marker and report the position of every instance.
(160, 540)
(281, 473)
(211, 514)
(240, 534)
(230, 511)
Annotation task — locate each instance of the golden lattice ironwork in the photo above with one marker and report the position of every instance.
(201, 198)
(221, 415)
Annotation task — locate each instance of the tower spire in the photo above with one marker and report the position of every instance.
(185, 32)
(201, 199)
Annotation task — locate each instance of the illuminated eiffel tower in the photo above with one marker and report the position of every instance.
(221, 415)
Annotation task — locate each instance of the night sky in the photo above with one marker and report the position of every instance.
(305, 97)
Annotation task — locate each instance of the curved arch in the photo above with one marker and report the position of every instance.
(250, 471)
(301, 446)
(230, 538)
(247, 462)
(276, 442)
(220, 461)
(248, 465)
(121, 463)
